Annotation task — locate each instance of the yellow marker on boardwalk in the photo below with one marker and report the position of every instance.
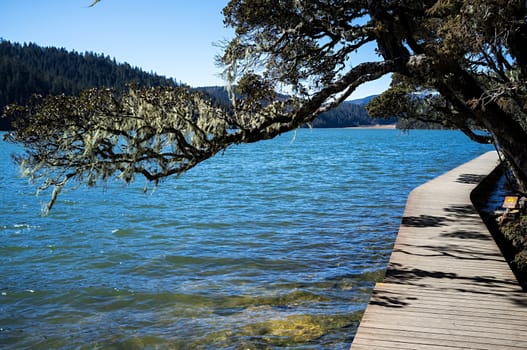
(510, 202)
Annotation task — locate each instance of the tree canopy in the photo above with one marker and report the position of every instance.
(459, 63)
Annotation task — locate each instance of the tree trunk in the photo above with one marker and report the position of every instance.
(509, 134)
(512, 141)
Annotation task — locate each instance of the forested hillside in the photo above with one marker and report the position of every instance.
(349, 113)
(27, 69)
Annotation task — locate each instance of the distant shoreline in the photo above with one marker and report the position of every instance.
(376, 126)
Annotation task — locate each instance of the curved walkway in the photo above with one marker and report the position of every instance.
(447, 285)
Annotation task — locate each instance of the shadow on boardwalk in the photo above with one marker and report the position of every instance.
(447, 284)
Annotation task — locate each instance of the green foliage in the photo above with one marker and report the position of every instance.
(414, 109)
(302, 44)
(155, 132)
(106, 133)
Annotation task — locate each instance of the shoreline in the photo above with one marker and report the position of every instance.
(376, 126)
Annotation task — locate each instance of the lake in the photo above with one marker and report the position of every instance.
(272, 245)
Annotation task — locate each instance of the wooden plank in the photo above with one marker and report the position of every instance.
(513, 324)
(452, 339)
(441, 331)
(402, 319)
(509, 313)
(413, 296)
(447, 285)
(379, 344)
(436, 310)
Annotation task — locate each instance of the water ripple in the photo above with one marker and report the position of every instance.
(273, 245)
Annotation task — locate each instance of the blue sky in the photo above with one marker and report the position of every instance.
(175, 38)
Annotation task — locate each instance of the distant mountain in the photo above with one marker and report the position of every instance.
(348, 114)
(28, 69)
(218, 94)
(362, 101)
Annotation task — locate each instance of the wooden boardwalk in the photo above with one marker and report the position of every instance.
(447, 285)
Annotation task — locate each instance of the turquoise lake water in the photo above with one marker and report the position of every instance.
(272, 245)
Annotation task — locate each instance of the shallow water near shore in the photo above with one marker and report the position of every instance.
(272, 245)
